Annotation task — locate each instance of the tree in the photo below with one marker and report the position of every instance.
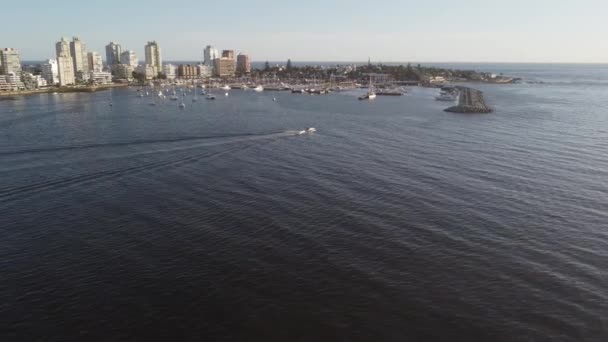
(266, 66)
(289, 64)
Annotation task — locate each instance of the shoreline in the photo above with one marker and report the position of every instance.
(64, 90)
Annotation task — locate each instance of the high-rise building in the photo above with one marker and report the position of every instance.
(224, 67)
(211, 54)
(95, 62)
(153, 56)
(65, 64)
(243, 64)
(50, 71)
(129, 58)
(113, 51)
(78, 50)
(10, 61)
(228, 54)
(63, 47)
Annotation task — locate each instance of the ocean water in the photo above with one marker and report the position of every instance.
(396, 221)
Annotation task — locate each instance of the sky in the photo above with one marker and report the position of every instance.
(525, 31)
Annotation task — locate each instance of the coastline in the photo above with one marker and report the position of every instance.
(81, 89)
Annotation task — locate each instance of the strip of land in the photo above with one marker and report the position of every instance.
(470, 101)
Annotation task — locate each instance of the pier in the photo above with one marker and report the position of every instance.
(470, 101)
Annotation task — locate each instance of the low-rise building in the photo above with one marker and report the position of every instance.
(170, 71)
(50, 71)
(204, 70)
(122, 71)
(149, 71)
(32, 81)
(14, 81)
(101, 77)
(187, 71)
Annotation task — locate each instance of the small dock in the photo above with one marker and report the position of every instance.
(470, 101)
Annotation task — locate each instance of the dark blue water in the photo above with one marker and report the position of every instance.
(396, 221)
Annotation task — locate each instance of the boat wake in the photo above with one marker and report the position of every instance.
(235, 142)
(135, 142)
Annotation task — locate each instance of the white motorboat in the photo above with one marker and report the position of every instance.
(210, 97)
(226, 87)
(309, 130)
(259, 89)
(447, 96)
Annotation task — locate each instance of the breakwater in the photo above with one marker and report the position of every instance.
(470, 101)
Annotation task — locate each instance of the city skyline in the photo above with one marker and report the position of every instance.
(398, 31)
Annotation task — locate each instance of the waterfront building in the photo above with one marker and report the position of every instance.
(32, 81)
(65, 64)
(78, 51)
(149, 71)
(154, 56)
(130, 58)
(187, 71)
(4, 86)
(95, 62)
(50, 71)
(170, 71)
(113, 52)
(210, 55)
(122, 71)
(10, 61)
(101, 77)
(243, 64)
(225, 67)
(13, 81)
(205, 70)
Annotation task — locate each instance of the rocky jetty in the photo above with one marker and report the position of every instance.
(470, 101)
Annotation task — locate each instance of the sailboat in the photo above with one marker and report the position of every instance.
(370, 92)
(195, 98)
(174, 96)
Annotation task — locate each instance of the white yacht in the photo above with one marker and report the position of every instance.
(226, 87)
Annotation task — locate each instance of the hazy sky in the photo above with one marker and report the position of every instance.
(315, 30)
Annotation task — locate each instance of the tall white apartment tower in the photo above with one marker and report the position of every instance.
(65, 64)
(210, 55)
(153, 56)
(78, 50)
